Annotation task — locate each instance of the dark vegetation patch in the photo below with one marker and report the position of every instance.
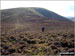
(11, 51)
(36, 44)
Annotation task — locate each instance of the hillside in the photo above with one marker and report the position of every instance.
(21, 32)
(37, 17)
(37, 11)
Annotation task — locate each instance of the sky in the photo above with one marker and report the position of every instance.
(63, 8)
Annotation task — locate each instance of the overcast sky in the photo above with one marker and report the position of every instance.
(64, 8)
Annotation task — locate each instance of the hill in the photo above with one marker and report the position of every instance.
(30, 17)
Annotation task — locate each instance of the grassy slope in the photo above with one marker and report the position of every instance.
(36, 12)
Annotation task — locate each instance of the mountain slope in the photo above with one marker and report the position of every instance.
(36, 11)
(50, 14)
(33, 19)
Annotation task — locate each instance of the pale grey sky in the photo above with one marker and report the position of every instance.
(64, 8)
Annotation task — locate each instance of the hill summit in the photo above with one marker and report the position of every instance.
(34, 11)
